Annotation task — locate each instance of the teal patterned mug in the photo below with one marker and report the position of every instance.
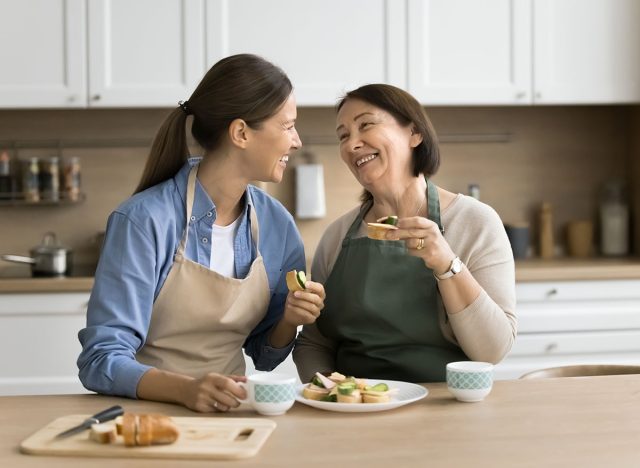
(470, 380)
(270, 394)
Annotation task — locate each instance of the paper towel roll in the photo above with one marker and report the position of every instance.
(310, 201)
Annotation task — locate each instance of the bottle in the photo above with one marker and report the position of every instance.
(50, 179)
(72, 179)
(474, 191)
(6, 182)
(614, 220)
(31, 180)
(546, 231)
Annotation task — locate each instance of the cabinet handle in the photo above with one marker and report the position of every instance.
(95, 97)
(552, 292)
(520, 94)
(72, 98)
(551, 347)
(538, 95)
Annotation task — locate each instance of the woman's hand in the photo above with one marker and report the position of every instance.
(214, 392)
(303, 307)
(424, 240)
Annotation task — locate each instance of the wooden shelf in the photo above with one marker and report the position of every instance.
(18, 200)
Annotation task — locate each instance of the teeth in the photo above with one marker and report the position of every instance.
(361, 161)
(284, 159)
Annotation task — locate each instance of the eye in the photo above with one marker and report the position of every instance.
(365, 124)
(343, 137)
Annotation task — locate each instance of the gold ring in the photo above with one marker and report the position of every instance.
(215, 404)
(420, 244)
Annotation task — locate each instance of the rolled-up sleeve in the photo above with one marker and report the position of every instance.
(119, 310)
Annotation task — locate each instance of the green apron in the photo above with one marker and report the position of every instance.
(381, 308)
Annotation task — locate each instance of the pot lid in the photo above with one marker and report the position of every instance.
(49, 245)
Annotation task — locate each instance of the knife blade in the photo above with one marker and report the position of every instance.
(102, 416)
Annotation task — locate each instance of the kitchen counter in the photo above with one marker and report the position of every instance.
(575, 269)
(586, 422)
(563, 269)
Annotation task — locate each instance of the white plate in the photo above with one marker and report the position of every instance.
(406, 393)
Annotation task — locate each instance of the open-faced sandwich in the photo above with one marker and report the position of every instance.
(341, 389)
(296, 280)
(378, 230)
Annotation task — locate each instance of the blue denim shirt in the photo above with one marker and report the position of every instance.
(141, 239)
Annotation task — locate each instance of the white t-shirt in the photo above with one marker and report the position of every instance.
(222, 253)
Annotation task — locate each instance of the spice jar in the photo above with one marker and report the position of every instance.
(6, 181)
(546, 231)
(31, 180)
(50, 179)
(72, 179)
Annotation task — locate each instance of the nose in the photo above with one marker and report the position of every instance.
(297, 143)
(354, 144)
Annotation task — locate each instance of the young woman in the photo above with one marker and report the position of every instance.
(403, 310)
(193, 265)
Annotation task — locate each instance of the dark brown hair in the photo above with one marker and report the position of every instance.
(242, 86)
(407, 111)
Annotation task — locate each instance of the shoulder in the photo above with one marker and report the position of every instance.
(157, 205)
(336, 231)
(268, 207)
(468, 210)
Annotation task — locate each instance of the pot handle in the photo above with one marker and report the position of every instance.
(18, 259)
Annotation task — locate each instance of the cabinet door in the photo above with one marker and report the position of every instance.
(42, 52)
(326, 48)
(470, 52)
(144, 53)
(586, 51)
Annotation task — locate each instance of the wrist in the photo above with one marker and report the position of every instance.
(453, 268)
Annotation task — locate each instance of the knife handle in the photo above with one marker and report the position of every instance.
(108, 414)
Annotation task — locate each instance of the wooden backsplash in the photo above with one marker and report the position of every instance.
(519, 156)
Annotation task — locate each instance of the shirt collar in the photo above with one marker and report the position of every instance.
(203, 206)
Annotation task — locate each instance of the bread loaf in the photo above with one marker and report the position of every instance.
(148, 429)
(104, 433)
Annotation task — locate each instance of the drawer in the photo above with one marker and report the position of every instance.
(555, 344)
(558, 291)
(578, 316)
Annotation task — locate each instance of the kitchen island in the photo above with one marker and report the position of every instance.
(583, 421)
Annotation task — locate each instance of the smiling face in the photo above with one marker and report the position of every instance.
(270, 145)
(375, 147)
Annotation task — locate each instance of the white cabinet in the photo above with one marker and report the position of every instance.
(469, 52)
(524, 51)
(100, 53)
(43, 53)
(39, 342)
(326, 48)
(144, 53)
(574, 322)
(586, 51)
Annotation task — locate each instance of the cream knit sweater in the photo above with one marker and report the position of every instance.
(485, 330)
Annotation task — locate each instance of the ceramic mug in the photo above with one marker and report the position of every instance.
(470, 380)
(270, 394)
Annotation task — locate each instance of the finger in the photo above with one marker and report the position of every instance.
(300, 313)
(300, 297)
(225, 399)
(309, 305)
(315, 288)
(218, 406)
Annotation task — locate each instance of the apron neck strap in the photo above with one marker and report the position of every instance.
(191, 190)
(433, 211)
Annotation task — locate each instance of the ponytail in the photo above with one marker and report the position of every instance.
(169, 151)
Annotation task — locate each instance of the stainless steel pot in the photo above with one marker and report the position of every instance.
(47, 259)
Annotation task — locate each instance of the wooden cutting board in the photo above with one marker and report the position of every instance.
(200, 438)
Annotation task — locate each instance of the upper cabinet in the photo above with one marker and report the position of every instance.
(325, 47)
(586, 51)
(43, 53)
(469, 52)
(145, 52)
(465, 52)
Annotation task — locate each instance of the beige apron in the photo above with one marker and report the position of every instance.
(201, 319)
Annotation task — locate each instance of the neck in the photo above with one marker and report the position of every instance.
(222, 181)
(407, 201)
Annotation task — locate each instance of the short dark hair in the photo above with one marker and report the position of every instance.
(407, 111)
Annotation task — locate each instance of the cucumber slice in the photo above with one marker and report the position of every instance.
(393, 220)
(381, 387)
(316, 381)
(330, 398)
(346, 388)
(302, 279)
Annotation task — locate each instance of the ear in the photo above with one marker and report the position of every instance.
(416, 138)
(238, 133)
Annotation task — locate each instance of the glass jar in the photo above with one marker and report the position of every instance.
(614, 219)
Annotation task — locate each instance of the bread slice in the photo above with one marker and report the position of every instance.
(129, 429)
(104, 433)
(378, 231)
(163, 429)
(380, 398)
(314, 393)
(118, 422)
(355, 397)
(296, 280)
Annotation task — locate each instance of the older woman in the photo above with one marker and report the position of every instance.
(440, 288)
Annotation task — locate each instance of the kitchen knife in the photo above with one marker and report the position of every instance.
(102, 416)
